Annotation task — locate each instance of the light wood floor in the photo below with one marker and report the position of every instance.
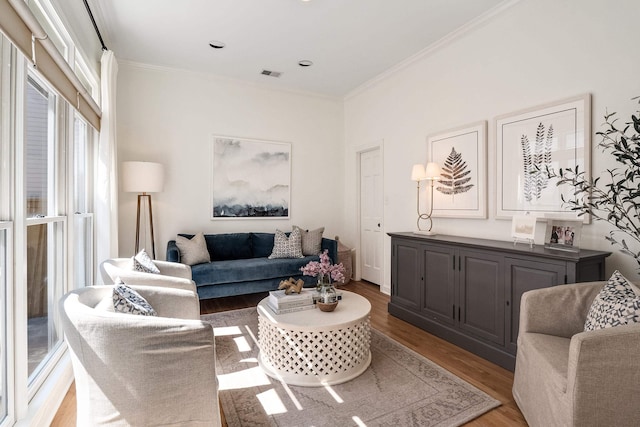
(488, 377)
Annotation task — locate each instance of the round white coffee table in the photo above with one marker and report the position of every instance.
(315, 348)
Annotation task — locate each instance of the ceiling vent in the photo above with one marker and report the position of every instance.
(271, 73)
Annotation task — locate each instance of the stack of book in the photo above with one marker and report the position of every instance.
(280, 303)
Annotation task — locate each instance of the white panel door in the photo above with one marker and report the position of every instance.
(371, 237)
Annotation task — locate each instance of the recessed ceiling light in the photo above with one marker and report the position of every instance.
(305, 62)
(217, 44)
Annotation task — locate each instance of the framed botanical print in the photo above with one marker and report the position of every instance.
(461, 154)
(250, 178)
(531, 143)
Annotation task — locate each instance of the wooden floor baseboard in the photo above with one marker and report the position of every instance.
(490, 378)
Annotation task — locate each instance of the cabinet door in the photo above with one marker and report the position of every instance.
(438, 302)
(481, 302)
(524, 275)
(406, 277)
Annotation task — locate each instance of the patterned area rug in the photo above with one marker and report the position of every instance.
(400, 388)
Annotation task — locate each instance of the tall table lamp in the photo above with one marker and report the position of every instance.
(143, 178)
(430, 173)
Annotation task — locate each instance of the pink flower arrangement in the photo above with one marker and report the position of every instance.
(325, 268)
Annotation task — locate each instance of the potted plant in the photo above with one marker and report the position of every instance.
(615, 199)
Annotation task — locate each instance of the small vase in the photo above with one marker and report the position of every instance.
(323, 280)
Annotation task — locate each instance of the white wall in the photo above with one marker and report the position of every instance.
(169, 116)
(535, 52)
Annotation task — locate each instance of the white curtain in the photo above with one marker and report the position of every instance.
(107, 173)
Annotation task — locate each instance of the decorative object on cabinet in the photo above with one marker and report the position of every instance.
(432, 174)
(530, 142)
(523, 227)
(467, 291)
(563, 234)
(612, 202)
(462, 190)
(143, 177)
(250, 178)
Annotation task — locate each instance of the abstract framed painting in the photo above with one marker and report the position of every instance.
(532, 142)
(250, 179)
(461, 154)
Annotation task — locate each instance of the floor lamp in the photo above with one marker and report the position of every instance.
(430, 173)
(143, 177)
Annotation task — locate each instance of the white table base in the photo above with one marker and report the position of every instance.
(331, 355)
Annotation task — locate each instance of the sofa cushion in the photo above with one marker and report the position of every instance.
(311, 240)
(618, 303)
(142, 262)
(287, 246)
(229, 246)
(127, 300)
(193, 249)
(261, 244)
(231, 271)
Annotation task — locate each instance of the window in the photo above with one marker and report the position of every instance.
(45, 226)
(83, 159)
(6, 226)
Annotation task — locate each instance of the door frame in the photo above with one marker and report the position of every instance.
(385, 286)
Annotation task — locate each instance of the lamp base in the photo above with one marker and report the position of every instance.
(425, 232)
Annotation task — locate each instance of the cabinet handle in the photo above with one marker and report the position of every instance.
(507, 303)
(458, 314)
(459, 264)
(454, 264)
(453, 311)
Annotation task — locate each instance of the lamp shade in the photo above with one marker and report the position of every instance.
(432, 171)
(142, 177)
(417, 173)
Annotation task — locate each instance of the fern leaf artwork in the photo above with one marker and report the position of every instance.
(536, 159)
(455, 175)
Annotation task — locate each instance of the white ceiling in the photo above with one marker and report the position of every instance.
(349, 41)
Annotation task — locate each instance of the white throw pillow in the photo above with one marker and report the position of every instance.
(193, 251)
(311, 240)
(126, 300)
(287, 247)
(618, 303)
(142, 262)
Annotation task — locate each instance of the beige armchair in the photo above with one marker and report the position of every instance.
(172, 274)
(137, 370)
(567, 377)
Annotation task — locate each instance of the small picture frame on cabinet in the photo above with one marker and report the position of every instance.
(563, 234)
(523, 228)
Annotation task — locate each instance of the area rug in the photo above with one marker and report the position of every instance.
(400, 388)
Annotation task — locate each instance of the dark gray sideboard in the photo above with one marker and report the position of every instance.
(467, 291)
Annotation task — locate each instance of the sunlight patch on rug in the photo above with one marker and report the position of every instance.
(400, 388)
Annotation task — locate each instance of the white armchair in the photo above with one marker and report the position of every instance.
(140, 370)
(172, 274)
(567, 377)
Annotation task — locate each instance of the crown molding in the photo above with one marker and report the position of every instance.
(445, 41)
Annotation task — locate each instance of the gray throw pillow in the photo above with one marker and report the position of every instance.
(126, 300)
(142, 262)
(618, 303)
(193, 251)
(311, 240)
(287, 247)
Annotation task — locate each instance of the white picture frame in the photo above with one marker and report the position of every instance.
(523, 227)
(552, 136)
(250, 178)
(463, 149)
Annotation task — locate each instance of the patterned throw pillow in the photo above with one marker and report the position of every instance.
(311, 240)
(126, 300)
(287, 247)
(193, 251)
(618, 303)
(143, 262)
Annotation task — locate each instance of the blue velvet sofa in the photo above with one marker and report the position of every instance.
(240, 264)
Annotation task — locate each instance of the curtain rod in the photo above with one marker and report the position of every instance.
(95, 26)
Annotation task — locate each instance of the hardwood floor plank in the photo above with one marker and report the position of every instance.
(488, 377)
